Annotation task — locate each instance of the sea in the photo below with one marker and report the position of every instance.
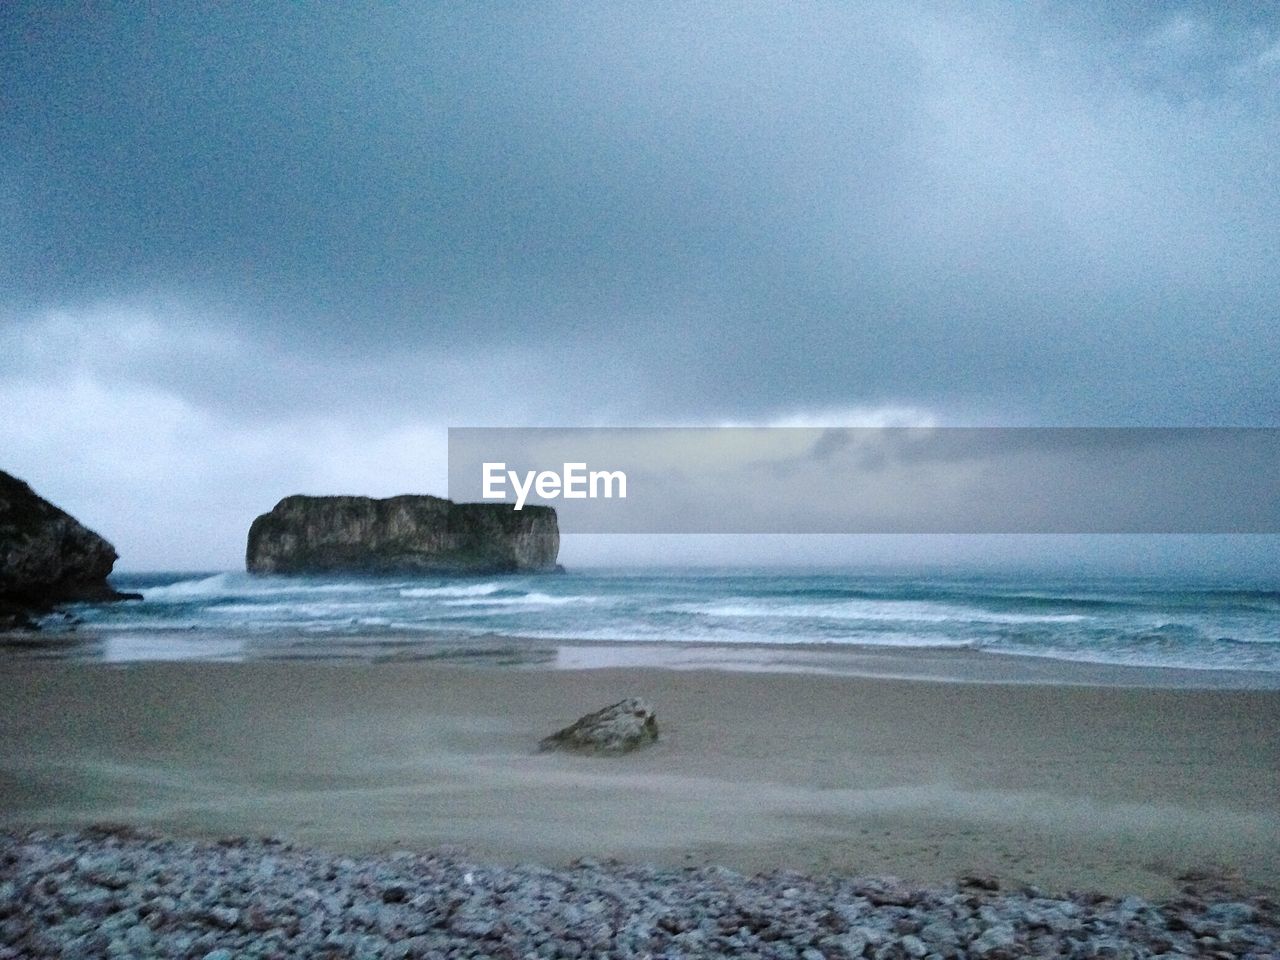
(754, 618)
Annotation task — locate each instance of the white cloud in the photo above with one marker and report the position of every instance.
(1179, 37)
(93, 425)
(1261, 65)
(885, 416)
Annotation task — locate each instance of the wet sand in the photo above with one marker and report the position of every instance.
(1065, 786)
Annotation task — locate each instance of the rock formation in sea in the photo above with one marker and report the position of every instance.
(47, 557)
(618, 728)
(408, 534)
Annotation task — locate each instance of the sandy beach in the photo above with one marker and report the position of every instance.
(1115, 788)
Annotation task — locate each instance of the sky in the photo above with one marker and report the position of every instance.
(255, 250)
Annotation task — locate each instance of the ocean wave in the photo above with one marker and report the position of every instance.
(1123, 621)
(306, 608)
(640, 633)
(880, 610)
(186, 590)
(470, 590)
(534, 599)
(1123, 656)
(243, 585)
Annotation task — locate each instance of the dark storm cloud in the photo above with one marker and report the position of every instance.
(1027, 211)
(248, 250)
(417, 173)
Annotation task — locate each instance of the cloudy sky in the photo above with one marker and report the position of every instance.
(252, 250)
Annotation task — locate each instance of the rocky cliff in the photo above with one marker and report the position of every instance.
(46, 555)
(418, 534)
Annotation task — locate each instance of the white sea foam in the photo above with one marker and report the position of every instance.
(304, 608)
(1198, 659)
(640, 632)
(534, 599)
(186, 590)
(470, 590)
(894, 611)
(243, 585)
(253, 609)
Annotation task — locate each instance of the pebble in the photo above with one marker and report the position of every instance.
(913, 946)
(120, 893)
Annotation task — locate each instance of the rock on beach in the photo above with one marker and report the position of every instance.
(618, 728)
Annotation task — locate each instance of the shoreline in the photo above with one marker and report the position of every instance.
(869, 661)
(924, 663)
(1121, 789)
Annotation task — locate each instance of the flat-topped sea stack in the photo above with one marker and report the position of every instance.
(47, 557)
(408, 534)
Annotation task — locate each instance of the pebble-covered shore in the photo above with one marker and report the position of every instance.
(114, 892)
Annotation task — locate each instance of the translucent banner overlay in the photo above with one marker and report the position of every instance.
(879, 480)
